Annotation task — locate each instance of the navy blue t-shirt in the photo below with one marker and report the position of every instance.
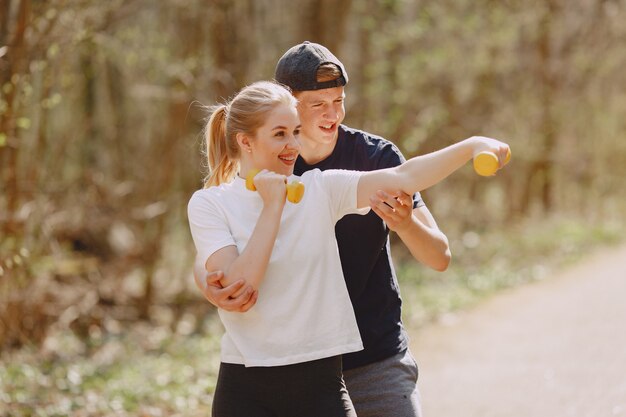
(364, 250)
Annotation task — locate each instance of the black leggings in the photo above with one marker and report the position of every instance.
(309, 389)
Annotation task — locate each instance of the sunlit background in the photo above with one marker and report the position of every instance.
(101, 111)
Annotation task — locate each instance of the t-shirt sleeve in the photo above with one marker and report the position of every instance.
(391, 157)
(342, 186)
(209, 228)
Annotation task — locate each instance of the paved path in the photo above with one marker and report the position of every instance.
(549, 349)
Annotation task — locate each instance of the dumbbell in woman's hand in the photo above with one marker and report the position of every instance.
(486, 163)
(295, 189)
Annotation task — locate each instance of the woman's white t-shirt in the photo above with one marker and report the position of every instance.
(303, 311)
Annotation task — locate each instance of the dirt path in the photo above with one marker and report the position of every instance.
(550, 349)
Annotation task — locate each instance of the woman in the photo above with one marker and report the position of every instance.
(283, 356)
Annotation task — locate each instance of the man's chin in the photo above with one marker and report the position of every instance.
(320, 138)
(327, 136)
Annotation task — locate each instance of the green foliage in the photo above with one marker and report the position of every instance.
(144, 371)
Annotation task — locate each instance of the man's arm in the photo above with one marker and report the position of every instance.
(416, 228)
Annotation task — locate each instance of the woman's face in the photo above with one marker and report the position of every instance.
(276, 145)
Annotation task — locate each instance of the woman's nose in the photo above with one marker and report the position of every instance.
(294, 142)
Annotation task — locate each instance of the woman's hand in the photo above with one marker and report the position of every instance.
(271, 188)
(485, 144)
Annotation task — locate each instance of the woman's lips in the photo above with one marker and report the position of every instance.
(288, 159)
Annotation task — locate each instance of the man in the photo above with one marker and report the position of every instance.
(382, 378)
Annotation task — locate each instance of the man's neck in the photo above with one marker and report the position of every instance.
(317, 152)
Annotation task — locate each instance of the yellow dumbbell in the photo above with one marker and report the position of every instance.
(486, 163)
(295, 189)
(250, 179)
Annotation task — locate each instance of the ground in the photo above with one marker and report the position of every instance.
(552, 348)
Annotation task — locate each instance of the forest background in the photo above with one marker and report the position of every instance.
(101, 112)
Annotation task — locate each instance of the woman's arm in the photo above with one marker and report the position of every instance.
(250, 265)
(424, 171)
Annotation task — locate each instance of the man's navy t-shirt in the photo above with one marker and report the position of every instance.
(364, 250)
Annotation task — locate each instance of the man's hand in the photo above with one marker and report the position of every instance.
(236, 297)
(395, 211)
(416, 228)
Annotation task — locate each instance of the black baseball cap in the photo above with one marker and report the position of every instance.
(297, 69)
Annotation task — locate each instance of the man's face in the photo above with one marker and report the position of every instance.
(321, 112)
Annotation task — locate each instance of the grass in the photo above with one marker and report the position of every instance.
(144, 370)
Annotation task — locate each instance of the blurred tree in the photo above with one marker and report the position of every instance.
(14, 16)
(100, 124)
(325, 22)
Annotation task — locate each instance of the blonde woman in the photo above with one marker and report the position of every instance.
(283, 356)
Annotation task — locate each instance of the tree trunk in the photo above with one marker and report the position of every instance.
(14, 63)
(359, 113)
(545, 162)
(324, 22)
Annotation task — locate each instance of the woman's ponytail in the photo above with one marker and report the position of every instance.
(222, 168)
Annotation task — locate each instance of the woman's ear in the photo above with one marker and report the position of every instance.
(244, 142)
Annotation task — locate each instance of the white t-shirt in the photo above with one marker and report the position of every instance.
(303, 311)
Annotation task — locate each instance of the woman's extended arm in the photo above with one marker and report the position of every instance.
(424, 171)
(250, 265)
